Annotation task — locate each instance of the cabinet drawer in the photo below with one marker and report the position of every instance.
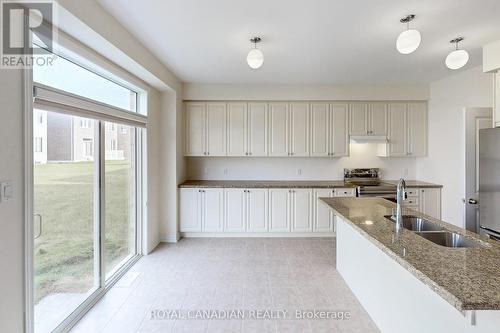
(345, 192)
(413, 192)
(412, 201)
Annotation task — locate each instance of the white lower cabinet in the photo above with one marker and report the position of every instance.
(301, 210)
(190, 210)
(323, 216)
(279, 210)
(425, 200)
(235, 210)
(257, 210)
(246, 210)
(201, 210)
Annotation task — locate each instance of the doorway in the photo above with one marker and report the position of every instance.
(475, 119)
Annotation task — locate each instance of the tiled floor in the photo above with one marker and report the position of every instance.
(230, 274)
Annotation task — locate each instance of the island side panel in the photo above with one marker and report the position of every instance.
(395, 299)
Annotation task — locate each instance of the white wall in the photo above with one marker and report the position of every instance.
(12, 212)
(362, 156)
(445, 163)
(201, 91)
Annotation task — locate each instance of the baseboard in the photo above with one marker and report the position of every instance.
(170, 239)
(257, 234)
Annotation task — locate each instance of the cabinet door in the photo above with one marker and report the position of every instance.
(377, 124)
(213, 209)
(301, 210)
(237, 129)
(496, 102)
(320, 128)
(234, 209)
(397, 130)
(417, 129)
(195, 129)
(299, 129)
(323, 216)
(339, 136)
(190, 210)
(430, 201)
(216, 129)
(278, 129)
(358, 116)
(279, 210)
(257, 210)
(258, 129)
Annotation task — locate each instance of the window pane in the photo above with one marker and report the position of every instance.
(84, 83)
(65, 253)
(120, 188)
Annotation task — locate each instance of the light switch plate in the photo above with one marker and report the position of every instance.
(6, 191)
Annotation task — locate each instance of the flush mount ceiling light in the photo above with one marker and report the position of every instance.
(255, 57)
(409, 40)
(458, 58)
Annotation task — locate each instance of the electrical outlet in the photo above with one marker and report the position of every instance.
(6, 191)
(299, 172)
(226, 172)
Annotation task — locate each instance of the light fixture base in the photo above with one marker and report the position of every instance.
(407, 18)
(255, 40)
(456, 40)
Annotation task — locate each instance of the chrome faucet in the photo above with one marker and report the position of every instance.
(400, 196)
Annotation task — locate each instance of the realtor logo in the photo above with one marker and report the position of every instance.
(23, 24)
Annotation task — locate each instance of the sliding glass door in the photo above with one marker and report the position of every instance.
(65, 202)
(120, 196)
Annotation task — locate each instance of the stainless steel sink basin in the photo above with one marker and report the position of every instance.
(449, 239)
(415, 223)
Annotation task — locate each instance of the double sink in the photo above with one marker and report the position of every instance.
(435, 233)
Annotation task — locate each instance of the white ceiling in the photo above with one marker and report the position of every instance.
(307, 42)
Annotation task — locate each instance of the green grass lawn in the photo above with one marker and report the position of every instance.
(64, 196)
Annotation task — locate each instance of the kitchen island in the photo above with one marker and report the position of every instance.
(410, 284)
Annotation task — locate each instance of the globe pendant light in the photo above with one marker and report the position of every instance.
(255, 57)
(458, 58)
(409, 40)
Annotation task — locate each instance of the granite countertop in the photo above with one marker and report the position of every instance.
(468, 278)
(264, 184)
(414, 183)
(288, 184)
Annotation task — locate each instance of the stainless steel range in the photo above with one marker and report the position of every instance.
(369, 183)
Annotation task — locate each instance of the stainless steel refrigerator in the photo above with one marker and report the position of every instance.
(489, 182)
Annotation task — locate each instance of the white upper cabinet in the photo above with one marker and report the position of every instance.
(258, 129)
(407, 130)
(320, 129)
(278, 129)
(339, 135)
(299, 129)
(216, 129)
(397, 145)
(195, 129)
(237, 129)
(377, 119)
(358, 119)
(329, 131)
(368, 119)
(417, 129)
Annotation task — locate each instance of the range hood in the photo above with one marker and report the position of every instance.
(368, 139)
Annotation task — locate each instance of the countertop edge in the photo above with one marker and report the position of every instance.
(442, 292)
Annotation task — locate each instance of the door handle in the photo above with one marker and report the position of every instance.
(473, 201)
(40, 219)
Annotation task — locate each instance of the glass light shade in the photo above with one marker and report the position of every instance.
(457, 59)
(255, 58)
(408, 41)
